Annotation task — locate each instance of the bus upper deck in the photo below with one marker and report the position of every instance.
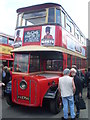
(49, 25)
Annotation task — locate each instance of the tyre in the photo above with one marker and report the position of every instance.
(56, 104)
(9, 100)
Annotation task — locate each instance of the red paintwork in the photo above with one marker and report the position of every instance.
(6, 57)
(58, 35)
(64, 61)
(39, 86)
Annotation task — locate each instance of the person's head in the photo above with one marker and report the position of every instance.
(18, 68)
(66, 71)
(5, 68)
(18, 33)
(74, 66)
(73, 72)
(48, 30)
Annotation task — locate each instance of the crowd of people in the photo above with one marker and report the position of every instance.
(70, 87)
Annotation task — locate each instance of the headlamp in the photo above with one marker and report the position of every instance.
(23, 84)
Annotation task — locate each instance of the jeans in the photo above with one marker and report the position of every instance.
(68, 100)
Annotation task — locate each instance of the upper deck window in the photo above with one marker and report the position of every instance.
(51, 15)
(77, 34)
(83, 41)
(63, 19)
(58, 16)
(3, 40)
(19, 20)
(31, 18)
(68, 24)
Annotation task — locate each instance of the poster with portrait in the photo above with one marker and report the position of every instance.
(18, 38)
(48, 35)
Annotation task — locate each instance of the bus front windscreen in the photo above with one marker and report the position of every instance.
(21, 63)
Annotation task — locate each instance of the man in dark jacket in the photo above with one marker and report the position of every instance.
(78, 90)
(78, 74)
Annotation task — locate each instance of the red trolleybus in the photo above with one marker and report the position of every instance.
(50, 41)
(6, 42)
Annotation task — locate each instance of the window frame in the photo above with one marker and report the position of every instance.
(53, 15)
(57, 15)
(63, 13)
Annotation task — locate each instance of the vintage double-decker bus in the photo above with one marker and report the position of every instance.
(6, 45)
(49, 42)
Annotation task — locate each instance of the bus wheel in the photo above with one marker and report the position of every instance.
(9, 100)
(56, 104)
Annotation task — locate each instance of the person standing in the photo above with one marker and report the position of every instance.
(88, 83)
(78, 74)
(78, 91)
(66, 87)
(8, 76)
(2, 80)
(2, 73)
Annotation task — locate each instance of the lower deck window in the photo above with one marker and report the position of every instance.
(69, 61)
(21, 63)
(34, 63)
(54, 65)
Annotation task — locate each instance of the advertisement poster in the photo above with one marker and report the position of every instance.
(18, 38)
(69, 42)
(48, 35)
(32, 36)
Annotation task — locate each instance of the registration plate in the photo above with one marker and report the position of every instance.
(23, 97)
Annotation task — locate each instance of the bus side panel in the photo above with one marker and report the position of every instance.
(58, 36)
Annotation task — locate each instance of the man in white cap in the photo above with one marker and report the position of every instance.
(75, 67)
(67, 88)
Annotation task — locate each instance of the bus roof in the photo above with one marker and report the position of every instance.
(37, 7)
(37, 48)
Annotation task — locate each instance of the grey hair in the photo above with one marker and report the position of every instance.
(66, 71)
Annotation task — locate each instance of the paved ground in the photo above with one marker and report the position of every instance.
(27, 112)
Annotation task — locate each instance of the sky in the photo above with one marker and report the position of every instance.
(77, 9)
